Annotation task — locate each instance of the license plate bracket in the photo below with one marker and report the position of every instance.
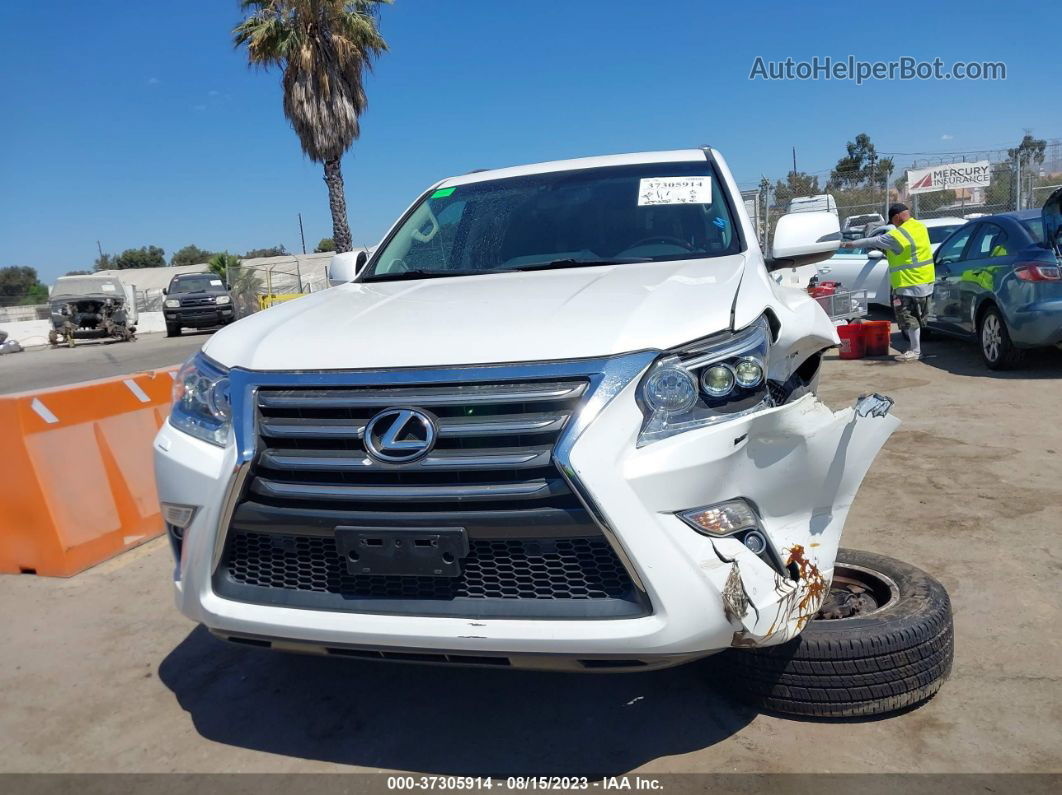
(403, 551)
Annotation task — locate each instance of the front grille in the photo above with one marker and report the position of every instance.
(565, 568)
(534, 549)
(495, 446)
(203, 301)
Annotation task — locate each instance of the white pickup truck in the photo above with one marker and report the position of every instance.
(563, 418)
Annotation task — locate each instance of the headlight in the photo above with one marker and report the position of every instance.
(707, 382)
(223, 299)
(202, 406)
(172, 303)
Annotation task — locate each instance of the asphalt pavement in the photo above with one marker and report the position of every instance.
(37, 368)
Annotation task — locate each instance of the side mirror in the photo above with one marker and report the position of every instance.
(344, 267)
(165, 291)
(804, 238)
(875, 254)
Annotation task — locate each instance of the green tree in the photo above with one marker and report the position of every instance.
(324, 48)
(1030, 152)
(861, 166)
(797, 183)
(144, 257)
(19, 285)
(326, 244)
(191, 255)
(223, 263)
(78, 273)
(104, 262)
(275, 251)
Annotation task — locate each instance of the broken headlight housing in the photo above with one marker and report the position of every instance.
(202, 406)
(707, 382)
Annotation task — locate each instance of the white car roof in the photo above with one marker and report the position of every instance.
(633, 158)
(946, 221)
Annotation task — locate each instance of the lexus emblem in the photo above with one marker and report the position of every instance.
(400, 436)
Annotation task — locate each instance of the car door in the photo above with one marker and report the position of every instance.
(949, 262)
(990, 251)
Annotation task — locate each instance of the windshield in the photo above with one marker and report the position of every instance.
(620, 214)
(937, 234)
(87, 285)
(197, 284)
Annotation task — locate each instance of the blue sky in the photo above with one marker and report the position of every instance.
(139, 124)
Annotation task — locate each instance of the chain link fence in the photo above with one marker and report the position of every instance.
(1014, 185)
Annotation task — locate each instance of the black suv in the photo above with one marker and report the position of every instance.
(196, 300)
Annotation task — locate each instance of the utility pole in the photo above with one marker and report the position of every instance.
(1017, 181)
(962, 201)
(794, 159)
(302, 236)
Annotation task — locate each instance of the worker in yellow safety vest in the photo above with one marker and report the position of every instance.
(911, 273)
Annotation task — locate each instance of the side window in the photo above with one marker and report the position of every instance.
(991, 241)
(951, 250)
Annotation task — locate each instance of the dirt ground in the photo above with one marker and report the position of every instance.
(100, 673)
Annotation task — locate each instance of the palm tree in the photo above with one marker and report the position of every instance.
(324, 48)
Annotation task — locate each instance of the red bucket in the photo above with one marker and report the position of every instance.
(876, 334)
(853, 344)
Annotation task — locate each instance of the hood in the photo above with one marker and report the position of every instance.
(493, 318)
(1052, 218)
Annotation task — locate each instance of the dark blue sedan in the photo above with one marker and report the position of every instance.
(999, 281)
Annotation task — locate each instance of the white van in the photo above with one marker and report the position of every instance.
(824, 202)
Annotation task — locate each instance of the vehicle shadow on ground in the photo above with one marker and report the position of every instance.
(963, 357)
(440, 720)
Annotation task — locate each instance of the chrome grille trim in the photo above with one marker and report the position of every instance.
(426, 398)
(391, 493)
(343, 461)
(449, 427)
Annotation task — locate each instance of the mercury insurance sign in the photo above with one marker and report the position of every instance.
(950, 176)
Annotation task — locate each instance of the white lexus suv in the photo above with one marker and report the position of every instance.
(562, 417)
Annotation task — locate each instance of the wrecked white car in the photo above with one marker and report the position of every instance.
(562, 418)
(91, 307)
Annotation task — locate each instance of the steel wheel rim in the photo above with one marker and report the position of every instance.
(991, 337)
(883, 589)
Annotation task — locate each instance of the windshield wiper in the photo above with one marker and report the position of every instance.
(416, 274)
(575, 263)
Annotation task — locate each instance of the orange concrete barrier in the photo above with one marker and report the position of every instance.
(78, 481)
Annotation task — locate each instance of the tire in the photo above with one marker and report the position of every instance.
(173, 330)
(894, 657)
(993, 338)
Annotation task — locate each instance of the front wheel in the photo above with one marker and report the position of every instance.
(883, 640)
(173, 330)
(997, 349)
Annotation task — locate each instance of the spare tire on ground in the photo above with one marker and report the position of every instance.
(882, 641)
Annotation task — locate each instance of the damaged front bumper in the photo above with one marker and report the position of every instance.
(798, 465)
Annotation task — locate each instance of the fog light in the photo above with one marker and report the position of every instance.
(755, 542)
(722, 519)
(179, 516)
(748, 372)
(718, 380)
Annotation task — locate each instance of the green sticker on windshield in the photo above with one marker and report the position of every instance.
(442, 193)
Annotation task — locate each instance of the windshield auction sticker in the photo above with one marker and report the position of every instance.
(674, 190)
